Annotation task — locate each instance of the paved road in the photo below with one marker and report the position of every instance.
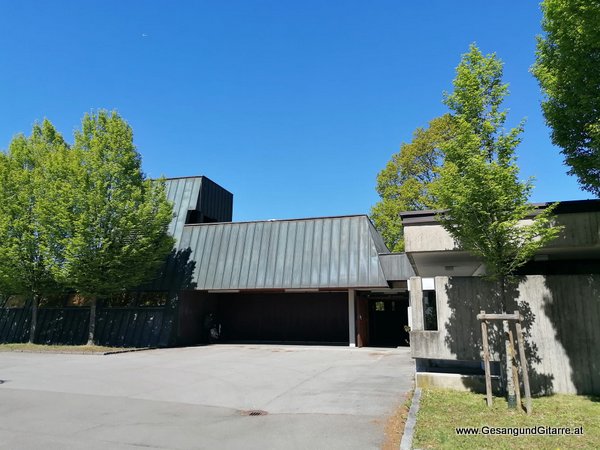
(192, 398)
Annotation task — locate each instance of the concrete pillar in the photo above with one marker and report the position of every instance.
(351, 319)
(416, 304)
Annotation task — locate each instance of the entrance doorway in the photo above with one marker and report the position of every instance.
(383, 319)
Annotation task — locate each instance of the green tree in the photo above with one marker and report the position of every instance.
(403, 185)
(568, 70)
(478, 186)
(26, 243)
(119, 227)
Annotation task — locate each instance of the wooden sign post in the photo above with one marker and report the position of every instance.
(517, 319)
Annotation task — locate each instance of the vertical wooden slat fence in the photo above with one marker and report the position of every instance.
(116, 327)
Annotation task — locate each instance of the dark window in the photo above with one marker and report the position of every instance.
(429, 311)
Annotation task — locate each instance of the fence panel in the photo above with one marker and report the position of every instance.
(14, 325)
(115, 327)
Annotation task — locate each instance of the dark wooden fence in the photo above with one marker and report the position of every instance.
(134, 327)
(14, 324)
(115, 327)
(67, 326)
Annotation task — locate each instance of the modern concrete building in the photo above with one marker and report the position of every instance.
(558, 292)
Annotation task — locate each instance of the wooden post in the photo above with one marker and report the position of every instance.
(524, 374)
(92, 325)
(513, 358)
(486, 362)
(34, 316)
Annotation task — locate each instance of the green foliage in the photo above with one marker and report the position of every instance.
(120, 219)
(27, 250)
(403, 184)
(478, 184)
(568, 70)
(82, 218)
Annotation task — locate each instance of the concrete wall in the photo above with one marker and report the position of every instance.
(427, 238)
(562, 324)
(580, 230)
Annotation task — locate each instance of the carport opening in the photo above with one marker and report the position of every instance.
(266, 317)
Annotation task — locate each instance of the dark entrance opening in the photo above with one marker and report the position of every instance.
(388, 320)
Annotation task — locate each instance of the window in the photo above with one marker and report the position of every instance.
(429, 311)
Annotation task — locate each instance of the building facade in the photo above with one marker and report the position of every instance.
(558, 293)
(325, 280)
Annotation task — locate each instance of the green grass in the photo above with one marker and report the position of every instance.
(443, 410)
(58, 348)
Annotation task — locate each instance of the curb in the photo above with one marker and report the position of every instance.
(63, 352)
(116, 352)
(411, 422)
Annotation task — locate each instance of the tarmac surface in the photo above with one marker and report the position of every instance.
(200, 397)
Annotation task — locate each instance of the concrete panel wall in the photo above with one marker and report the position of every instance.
(427, 238)
(580, 230)
(562, 323)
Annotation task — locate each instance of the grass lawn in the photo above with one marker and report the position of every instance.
(443, 410)
(59, 348)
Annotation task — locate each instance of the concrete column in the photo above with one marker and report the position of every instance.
(351, 319)
(416, 304)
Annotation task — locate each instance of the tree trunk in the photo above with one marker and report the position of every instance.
(34, 314)
(510, 382)
(92, 327)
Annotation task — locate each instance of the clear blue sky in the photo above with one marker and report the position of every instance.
(294, 106)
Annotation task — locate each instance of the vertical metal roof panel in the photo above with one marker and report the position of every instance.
(363, 254)
(396, 266)
(307, 260)
(316, 252)
(183, 193)
(337, 252)
(298, 254)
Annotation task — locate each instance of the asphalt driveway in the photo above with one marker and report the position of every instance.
(198, 398)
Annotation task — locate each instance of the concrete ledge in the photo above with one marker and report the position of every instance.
(456, 381)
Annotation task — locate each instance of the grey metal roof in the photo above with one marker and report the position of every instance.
(198, 194)
(332, 252)
(396, 266)
(184, 193)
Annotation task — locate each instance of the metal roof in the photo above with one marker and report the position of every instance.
(197, 194)
(396, 266)
(330, 252)
(184, 193)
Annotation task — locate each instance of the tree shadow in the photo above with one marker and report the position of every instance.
(572, 305)
(466, 297)
(175, 274)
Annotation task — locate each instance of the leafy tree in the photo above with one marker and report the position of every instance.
(403, 184)
(26, 243)
(119, 226)
(568, 70)
(478, 185)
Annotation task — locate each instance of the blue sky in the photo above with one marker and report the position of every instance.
(294, 106)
